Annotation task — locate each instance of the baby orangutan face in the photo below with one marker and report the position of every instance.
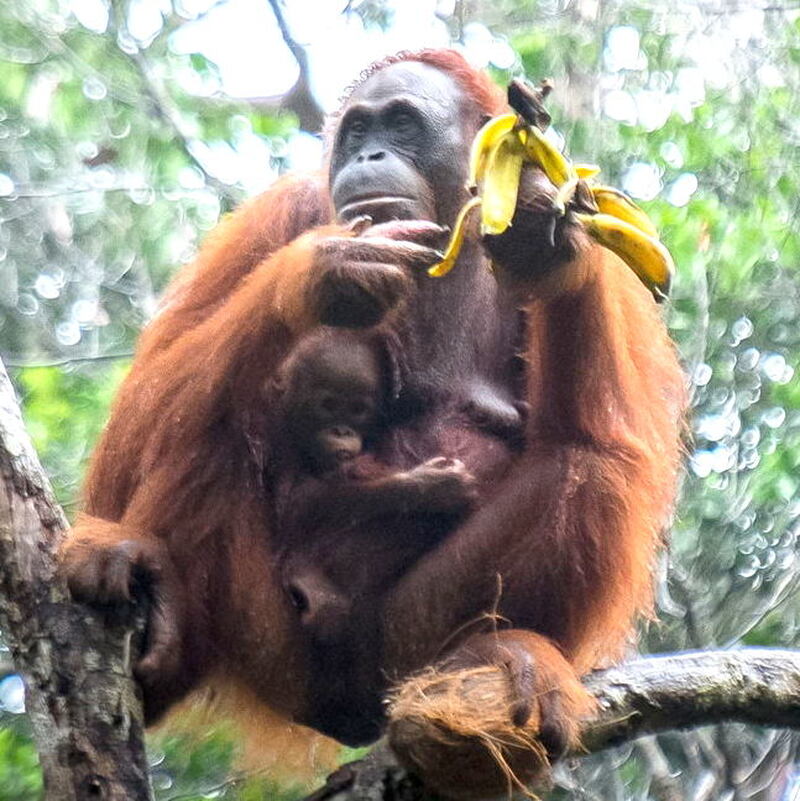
(332, 391)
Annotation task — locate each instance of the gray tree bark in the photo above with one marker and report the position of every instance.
(81, 698)
(677, 691)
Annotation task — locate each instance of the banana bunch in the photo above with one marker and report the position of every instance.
(498, 153)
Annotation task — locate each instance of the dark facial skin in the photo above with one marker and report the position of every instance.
(398, 137)
(332, 390)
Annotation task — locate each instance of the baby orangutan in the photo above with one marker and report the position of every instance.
(331, 396)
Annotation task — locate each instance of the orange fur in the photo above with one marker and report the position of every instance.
(568, 531)
(268, 744)
(577, 521)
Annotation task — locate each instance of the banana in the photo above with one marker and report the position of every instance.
(498, 153)
(540, 150)
(586, 171)
(616, 203)
(644, 254)
(494, 130)
(501, 184)
(456, 240)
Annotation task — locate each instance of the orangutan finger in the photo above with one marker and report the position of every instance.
(162, 640)
(380, 250)
(554, 731)
(422, 232)
(522, 680)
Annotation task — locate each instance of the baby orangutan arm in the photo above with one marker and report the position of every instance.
(362, 490)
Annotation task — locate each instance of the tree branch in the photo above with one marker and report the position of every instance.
(641, 697)
(164, 109)
(82, 701)
(661, 693)
(299, 98)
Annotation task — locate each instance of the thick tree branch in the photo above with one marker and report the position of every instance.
(81, 698)
(660, 693)
(641, 697)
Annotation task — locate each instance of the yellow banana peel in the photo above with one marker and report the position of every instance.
(488, 136)
(498, 153)
(616, 203)
(586, 171)
(644, 254)
(495, 166)
(456, 240)
(501, 184)
(540, 150)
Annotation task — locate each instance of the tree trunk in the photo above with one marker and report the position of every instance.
(81, 698)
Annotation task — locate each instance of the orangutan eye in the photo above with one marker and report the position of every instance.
(355, 132)
(403, 122)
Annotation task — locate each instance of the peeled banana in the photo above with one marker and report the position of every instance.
(644, 254)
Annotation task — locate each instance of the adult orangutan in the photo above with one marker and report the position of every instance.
(535, 586)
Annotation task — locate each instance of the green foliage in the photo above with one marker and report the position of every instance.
(65, 410)
(193, 767)
(20, 779)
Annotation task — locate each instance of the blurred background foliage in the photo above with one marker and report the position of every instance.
(121, 143)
